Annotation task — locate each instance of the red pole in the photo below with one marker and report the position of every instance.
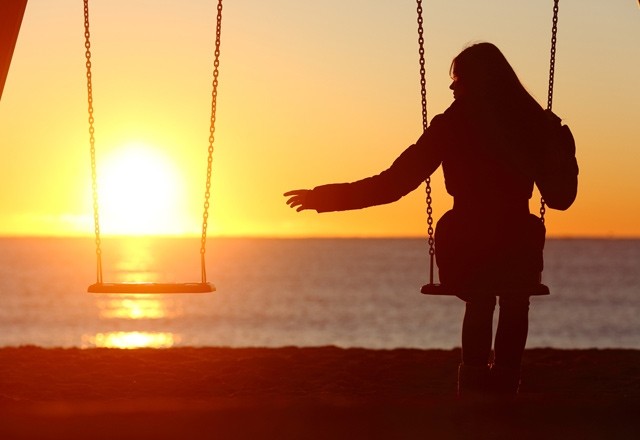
(11, 13)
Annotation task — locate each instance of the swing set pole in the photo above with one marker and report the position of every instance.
(11, 14)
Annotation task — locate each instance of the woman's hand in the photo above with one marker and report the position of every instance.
(299, 199)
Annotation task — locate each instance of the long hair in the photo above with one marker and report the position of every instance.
(487, 75)
(501, 104)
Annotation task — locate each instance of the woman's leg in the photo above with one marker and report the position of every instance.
(477, 331)
(511, 335)
(473, 372)
(511, 338)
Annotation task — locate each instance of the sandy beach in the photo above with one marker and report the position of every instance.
(307, 393)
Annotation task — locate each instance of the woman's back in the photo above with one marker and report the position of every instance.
(489, 158)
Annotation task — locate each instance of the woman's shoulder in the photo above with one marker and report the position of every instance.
(459, 112)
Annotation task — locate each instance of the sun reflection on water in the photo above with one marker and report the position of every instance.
(147, 317)
(131, 340)
(134, 261)
(139, 307)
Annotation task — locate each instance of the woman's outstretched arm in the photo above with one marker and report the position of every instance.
(406, 173)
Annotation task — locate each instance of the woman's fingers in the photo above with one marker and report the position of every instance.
(297, 199)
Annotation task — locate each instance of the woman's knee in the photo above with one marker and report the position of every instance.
(514, 303)
(485, 303)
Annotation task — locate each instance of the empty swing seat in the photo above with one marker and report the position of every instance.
(148, 287)
(151, 288)
(497, 290)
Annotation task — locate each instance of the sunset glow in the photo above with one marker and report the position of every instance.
(139, 193)
(309, 93)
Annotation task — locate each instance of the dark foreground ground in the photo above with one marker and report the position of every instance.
(307, 393)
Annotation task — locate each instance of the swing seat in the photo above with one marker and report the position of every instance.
(439, 289)
(151, 288)
(147, 287)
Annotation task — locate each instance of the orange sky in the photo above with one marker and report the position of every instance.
(306, 90)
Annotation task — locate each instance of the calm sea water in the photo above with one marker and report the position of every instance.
(304, 292)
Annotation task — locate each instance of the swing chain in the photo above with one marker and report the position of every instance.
(552, 62)
(423, 93)
(552, 71)
(92, 142)
(212, 129)
(423, 81)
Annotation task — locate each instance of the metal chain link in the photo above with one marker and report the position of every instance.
(552, 71)
(92, 142)
(423, 81)
(423, 93)
(552, 61)
(212, 129)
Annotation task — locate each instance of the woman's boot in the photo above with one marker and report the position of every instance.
(473, 381)
(504, 381)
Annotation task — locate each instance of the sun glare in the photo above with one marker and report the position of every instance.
(131, 340)
(139, 193)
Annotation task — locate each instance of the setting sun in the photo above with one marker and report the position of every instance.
(139, 192)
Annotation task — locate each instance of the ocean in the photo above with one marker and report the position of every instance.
(295, 292)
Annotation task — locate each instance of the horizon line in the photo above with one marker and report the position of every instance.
(288, 237)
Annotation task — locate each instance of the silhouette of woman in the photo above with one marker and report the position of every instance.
(487, 142)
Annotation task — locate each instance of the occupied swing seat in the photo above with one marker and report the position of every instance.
(497, 290)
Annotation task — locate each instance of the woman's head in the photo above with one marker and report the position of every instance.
(481, 70)
(483, 77)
